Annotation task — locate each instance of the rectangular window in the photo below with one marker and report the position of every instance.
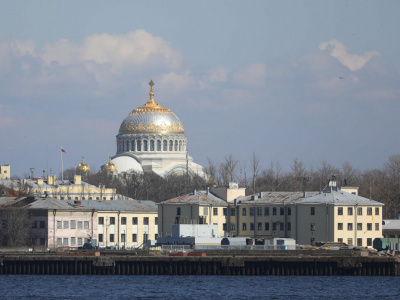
(66, 224)
(251, 226)
(134, 221)
(282, 211)
(274, 211)
(233, 226)
(86, 224)
(369, 242)
(73, 224)
(59, 241)
(101, 220)
(259, 211)
(145, 237)
(376, 211)
(100, 238)
(350, 241)
(340, 211)
(123, 237)
(65, 241)
(289, 211)
(233, 212)
(79, 241)
(350, 226)
(123, 220)
(134, 238)
(224, 227)
(369, 211)
(266, 225)
(273, 225)
(312, 227)
(79, 224)
(312, 241)
(376, 226)
(225, 211)
(369, 226)
(156, 221)
(359, 242)
(289, 226)
(42, 224)
(59, 224)
(340, 240)
(244, 226)
(112, 220)
(259, 226)
(205, 211)
(146, 221)
(72, 241)
(215, 211)
(178, 211)
(252, 211)
(312, 211)
(244, 211)
(34, 224)
(111, 238)
(281, 226)
(350, 211)
(340, 226)
(266, 211)
(359, 226)
(359, 212)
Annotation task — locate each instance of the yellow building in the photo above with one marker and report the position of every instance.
(5, 172)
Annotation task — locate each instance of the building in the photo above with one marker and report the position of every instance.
(152, 139)
(391, 228)
(5, 172)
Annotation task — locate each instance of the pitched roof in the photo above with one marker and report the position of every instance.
(202, 198)
(273, 197)
(391, 224)
(339, 198)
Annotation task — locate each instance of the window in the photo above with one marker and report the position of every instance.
(259, 211)
(369, 226)
(312, 211)
(73, 224)
(281, 226)
(289, 211)
(225, 211)
(251, 226)
(359, 242)
(100, 238)
(65, 241)
(359, 226)
(266, 211)
(215, 211)
(156, 220)
(123, 237)
(178, 211)
(350, 242)
(376, 226)
(289, 226)
(59, 224)
(259, 226)
(369, 211)
(34, 224)
(224, 227)
(79, 224)
(369, 242)
(145, 237)
(145, 145)
(350, 211)
(86, 224)
(340, 240)
(123, 220)
(72, 241)
(112, 238)
(205, 211)
(282, 211)
(79, 241)
(312, 227)
(266, 225)
(244, 226)
(376, 211)
(340, 226)
(312, 241)
(165, 145)
(42, 241)
(134, 238)
(359, 211)
(112, 220)
(146, 221)
(42, 224)
(233, 212)
(350, 226)
(252, 211)
(134, 221)
(59, 241)
(274, 225)
(66, 224)
(243, 211)
(151, 145)
(233, 226)
(340, 211)
(274, 211)
(158, 145)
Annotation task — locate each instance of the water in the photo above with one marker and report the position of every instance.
(197, 287)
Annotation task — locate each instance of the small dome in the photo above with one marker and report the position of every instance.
(151, 118)
(110, 167)
(84, 168)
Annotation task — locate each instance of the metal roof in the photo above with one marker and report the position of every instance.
(339, 198)
(391, 224)
(273, 197)
(202, 198)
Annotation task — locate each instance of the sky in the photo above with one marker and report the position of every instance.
(308, 80)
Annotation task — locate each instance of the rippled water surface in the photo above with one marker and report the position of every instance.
(197, 287)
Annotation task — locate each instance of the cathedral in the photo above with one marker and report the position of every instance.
(152, 139)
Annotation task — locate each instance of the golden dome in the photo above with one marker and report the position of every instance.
(110, 166)
(151, 118)
(84, 168)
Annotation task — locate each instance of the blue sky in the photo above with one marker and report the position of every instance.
(312, 80)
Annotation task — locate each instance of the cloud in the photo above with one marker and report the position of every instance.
(251, 76)
(352, 61)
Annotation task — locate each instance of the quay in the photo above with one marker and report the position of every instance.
(288, 263)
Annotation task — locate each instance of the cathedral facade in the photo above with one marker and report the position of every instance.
(152, 139)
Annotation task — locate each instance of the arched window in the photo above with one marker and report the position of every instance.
(127, 146)
(165, 145)
(145, 145)
(176, 145)
(123, 146)
(171, 145)
(180, 145)
(151, 145)
(133, 145)
(139, 145)
(158, 145)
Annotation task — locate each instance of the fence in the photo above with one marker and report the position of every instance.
(184, 248)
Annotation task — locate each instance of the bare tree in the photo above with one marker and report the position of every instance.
(16, 224)
(255, 169)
